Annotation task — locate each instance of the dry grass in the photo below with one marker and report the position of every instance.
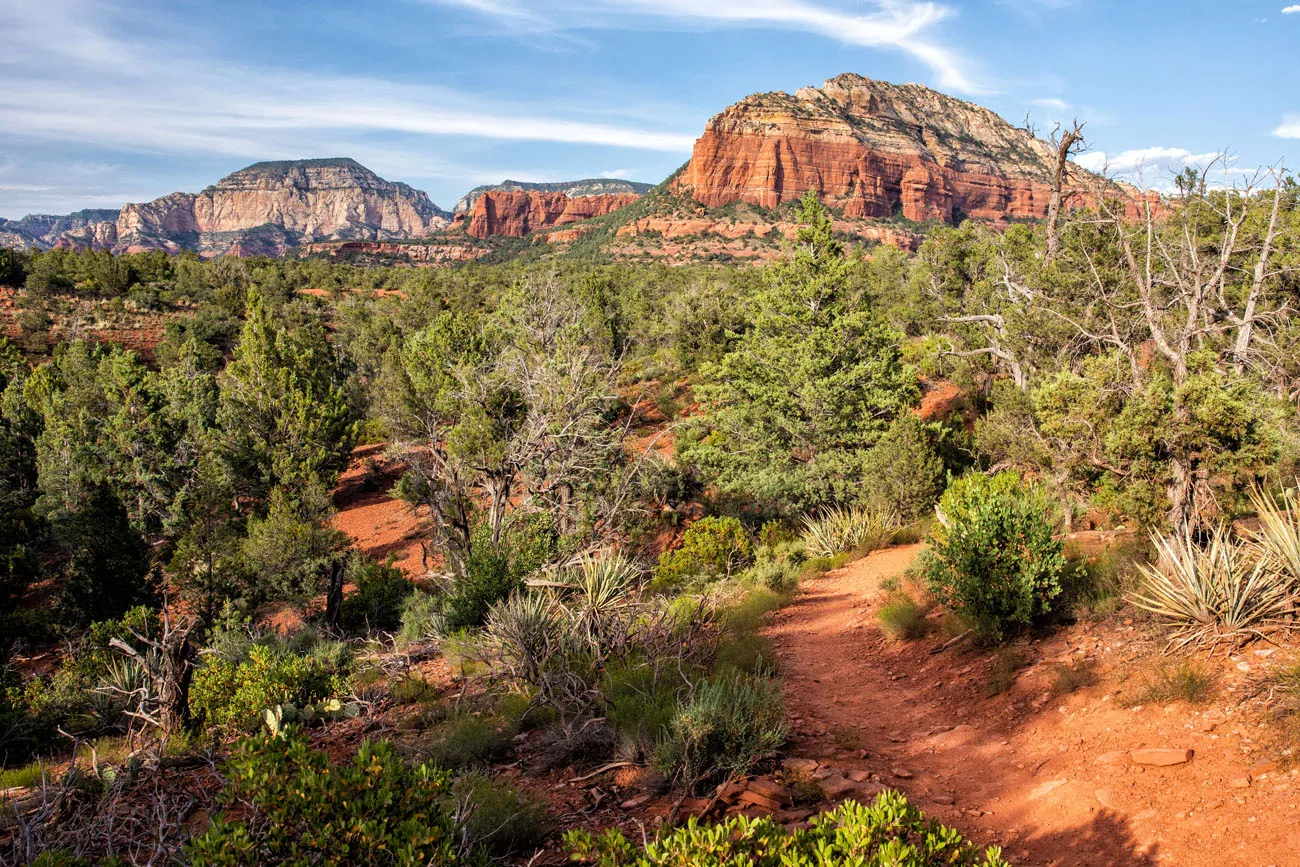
(1188, 681)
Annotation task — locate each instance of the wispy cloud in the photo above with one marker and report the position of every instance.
(1155, 167)
(85, 80)
(1289, 128)
(906, 26)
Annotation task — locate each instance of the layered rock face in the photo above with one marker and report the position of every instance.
(91, 229)
(269, 207)
(874, 149)
(572, 189)
(517, 213)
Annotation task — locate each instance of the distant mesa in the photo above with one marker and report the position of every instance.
(888, 160)
(264, 209)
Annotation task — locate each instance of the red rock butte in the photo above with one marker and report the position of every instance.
(874, 149)
(518, 212)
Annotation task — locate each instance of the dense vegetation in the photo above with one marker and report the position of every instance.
(155, 512)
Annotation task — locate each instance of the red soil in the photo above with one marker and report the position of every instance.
(380, 525)
(1048, 777)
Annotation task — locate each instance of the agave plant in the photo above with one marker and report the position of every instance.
(856, 528)
(1213, 592)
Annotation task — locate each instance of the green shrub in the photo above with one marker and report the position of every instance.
(904, 471)
(494, 571)
(888, 833)
(232, 696)
(1002, 674)
(378, 603)
(712, 549)
(294, 807)
(640, 702)
(901, 617)
(498, 818)
(994, 560)
(728, 726)
(421, 617)
(468, 741)
(777, 564)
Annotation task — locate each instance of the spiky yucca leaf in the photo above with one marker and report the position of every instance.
(1211, 592)
(1278, 537)
(840, 529)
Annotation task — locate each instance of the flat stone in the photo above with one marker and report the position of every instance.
(639, 801)
(1111, 758)
(1263, 768)
(757, 800)
(1239, 782)
(731, 792)
(1162, 757)
(901, 773)
(859, 776)
(837, 787)
(770, 789)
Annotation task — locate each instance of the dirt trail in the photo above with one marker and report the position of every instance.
(1048, 777)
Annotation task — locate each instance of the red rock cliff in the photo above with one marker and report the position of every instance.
(874, 149)
(518, 212)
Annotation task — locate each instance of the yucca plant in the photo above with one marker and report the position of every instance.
(599, 595)
(855, 528)
(1219, 591)
(1277, 541)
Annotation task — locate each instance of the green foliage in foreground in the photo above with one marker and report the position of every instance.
(995, 561)
(232, 696)
(296, 808)
(889, 833)
(712, 549)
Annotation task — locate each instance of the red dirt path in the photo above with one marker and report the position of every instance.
(1047, 777)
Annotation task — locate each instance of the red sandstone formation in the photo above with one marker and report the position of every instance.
(874, 149)
(518, 212)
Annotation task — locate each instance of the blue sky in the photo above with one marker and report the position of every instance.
(103, 103)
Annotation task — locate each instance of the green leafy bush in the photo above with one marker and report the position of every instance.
(294, 807)
(495, 570)
(994, 560)
(378, 602)
(728, 726)
(421, 617)
(231, 696)
(888, 833)
(712, 548)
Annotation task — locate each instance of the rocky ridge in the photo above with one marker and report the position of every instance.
(873, 150)
(269, 207)
(522, 212)
(572, 189)
(93, 228)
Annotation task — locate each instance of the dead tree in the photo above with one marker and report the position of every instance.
(1066, 143)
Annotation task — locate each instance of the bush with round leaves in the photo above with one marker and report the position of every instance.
(994, 559)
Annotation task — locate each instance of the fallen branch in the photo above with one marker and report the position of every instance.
(610, 767)
(950, 642)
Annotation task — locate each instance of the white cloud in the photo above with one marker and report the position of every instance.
(1291, 10)
(1155, 167)
(1289, 128)
(83, 83)
(899, 25)
(1051, 102)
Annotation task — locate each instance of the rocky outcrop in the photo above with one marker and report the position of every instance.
(91, 229)
(269, 207)
(394, 252)
(874, 150)
(572, 189)
(519, 212)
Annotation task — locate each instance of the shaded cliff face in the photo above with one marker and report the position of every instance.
(876, 150)
(269, 207)
(91, 229)
(517, 213)
(572, 189)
